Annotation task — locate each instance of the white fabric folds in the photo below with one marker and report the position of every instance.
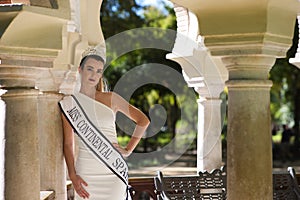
(92, 137)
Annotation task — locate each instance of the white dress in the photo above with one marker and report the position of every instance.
(103, 184)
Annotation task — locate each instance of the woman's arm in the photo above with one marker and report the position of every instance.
(68, 148)
(141, 120)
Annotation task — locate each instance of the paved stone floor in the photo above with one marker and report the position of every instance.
(279, 165)
(179, 168)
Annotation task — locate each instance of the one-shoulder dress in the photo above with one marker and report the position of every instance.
(103, 184)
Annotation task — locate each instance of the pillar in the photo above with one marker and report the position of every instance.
(247, 36)
(2, 146)
(209, 143)
(33, 131)
(249, 149)
(201, 72)
(33, 73)
(22, 169)
(52, 167)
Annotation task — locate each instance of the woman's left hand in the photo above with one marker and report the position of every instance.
(123, 151)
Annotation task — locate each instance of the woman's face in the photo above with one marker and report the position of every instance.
(91, 72)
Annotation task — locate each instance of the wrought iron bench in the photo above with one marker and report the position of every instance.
(206, 185)
(213, 186)
(142, 188)
(285, 185)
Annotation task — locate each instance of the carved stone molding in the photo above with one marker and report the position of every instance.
(254, 67)
(245, 27)
(39, 3)
(296, 61)
(199, 69)
(18, 76)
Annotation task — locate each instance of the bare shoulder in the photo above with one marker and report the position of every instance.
(110, 99)
(116, 96)
(118, 103)
(104, 97)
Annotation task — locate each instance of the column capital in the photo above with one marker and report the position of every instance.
(251, 84)
(248, 67)
(248, 44)
(20, 71)
(17, 76)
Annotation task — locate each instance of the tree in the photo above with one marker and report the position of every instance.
(285, 92)
(118, 16)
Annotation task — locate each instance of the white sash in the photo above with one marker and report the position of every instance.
(101, 147)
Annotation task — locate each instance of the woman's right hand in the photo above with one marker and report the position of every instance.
(78, 184)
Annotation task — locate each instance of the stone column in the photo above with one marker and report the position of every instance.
(249, 149)
(202, 74)
(33, 130)
(52, 167)
(2, 146)
(209, 143)
(22, 169)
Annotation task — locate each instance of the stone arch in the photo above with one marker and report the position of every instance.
(208, 79)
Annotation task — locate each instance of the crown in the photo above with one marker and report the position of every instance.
(98, 50)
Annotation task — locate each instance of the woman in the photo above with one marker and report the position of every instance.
(94, 177)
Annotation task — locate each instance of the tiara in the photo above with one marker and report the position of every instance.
(98, 50)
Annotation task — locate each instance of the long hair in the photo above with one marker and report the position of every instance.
(102, 85)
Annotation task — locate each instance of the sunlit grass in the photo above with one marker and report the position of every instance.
(276, 138)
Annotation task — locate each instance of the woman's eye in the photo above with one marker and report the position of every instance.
(99, 71)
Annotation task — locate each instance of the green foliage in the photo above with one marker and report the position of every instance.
(286, 86)
(118, 16)
(155, 18)
(285, 92)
